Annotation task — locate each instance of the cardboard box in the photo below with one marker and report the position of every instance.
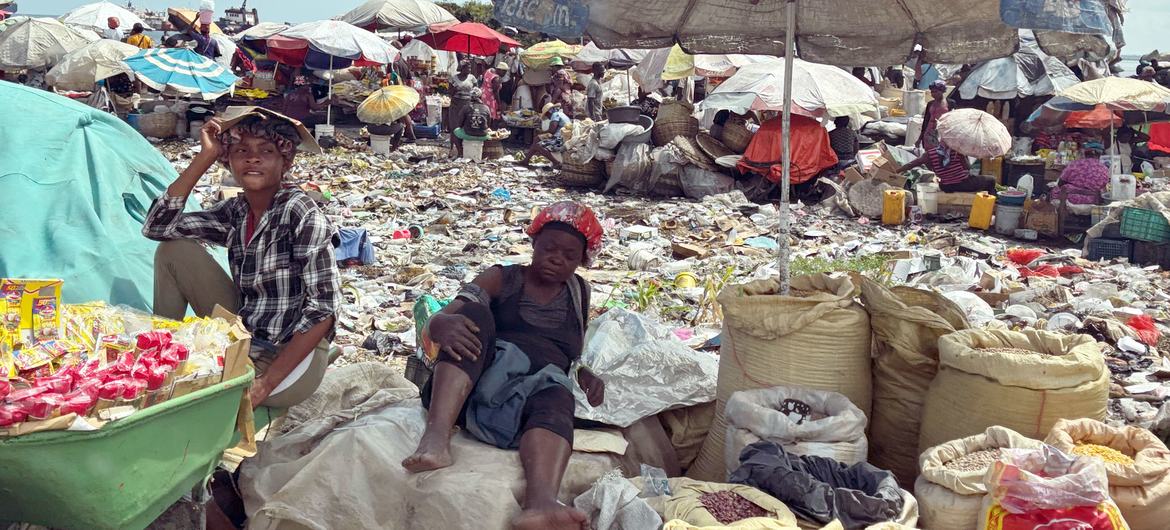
(881, 174)
(1042, 217)
(852, 176)
(866, 157)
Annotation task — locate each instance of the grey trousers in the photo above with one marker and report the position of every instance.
(186, 274)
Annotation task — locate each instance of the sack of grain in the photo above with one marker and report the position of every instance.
(1138, 470)
(907, 324)
(685, 502)
(950, 489)
(1024, 381)
(829, 424)
(816, 337)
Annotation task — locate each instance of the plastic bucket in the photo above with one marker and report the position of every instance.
(379, 144)
(324, 131)
(928, 197)
(473, 150)
(914, 102)
(1007, 218)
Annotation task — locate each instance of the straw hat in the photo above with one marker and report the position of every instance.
(693, 154)
(547, 107)
(503, 67)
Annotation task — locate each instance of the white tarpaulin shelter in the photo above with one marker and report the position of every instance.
(817, 90)
(617, 59)
(37, 43)
(261, 31)
(95, 16)
(343, 40)
(82, 68)
(398, 15)
(1028, 72)
(444, 61)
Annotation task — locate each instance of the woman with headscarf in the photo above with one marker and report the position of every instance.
(952, 169)
(491, 89)
(560, 87)
(518, 329)
(461, 86)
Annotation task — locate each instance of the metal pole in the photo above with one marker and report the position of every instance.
(783, 241)
(329, 109)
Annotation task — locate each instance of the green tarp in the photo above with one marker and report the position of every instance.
(75, 186)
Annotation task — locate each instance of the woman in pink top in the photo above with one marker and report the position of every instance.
(491, 89)
(934, 110)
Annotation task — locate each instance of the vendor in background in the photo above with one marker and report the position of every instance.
(492, 81)
(204, 44)
(112, 30)
(552, 141)
(860, 73)
(951, 168)
(648, 102)
(139, 38)
(845, 142)
(935, 108)
(561, 86)
(594, 95)
(284, 281)
(477, 119)
(461, 99)
(299, 103)
(527, 318)
(522, 98)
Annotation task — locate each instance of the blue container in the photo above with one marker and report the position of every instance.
(423, 131)
(1011, 200)
(132, 119)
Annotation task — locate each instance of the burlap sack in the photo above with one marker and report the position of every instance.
(1141, 491)
(950, 498)
(684, 503)
(976, 389)
(817, 337)
(687, 428)
(907, 324)
(754, 415)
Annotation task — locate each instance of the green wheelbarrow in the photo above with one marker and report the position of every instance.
(127, 473)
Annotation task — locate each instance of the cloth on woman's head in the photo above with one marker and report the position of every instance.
(280, 132)
(300, 80)
(938, 84)
(576, 215)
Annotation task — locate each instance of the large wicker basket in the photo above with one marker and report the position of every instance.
(158, 124)
(674, 120)
(588, 175)
(493, 149)
(736, 135)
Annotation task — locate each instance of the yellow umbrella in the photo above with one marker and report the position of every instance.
(388, 105)
(539, 55)
(1120, 93)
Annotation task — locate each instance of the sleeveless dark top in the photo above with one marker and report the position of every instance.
(559, 345)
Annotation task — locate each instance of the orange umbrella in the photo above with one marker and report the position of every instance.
(1098, 118)
(469, 37)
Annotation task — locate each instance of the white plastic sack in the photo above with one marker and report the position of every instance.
(977, 311)
(613, 133)
(631, 168)
(604, 155)
(613, 504)
(755, 415)
(583, 144)
(646, 369)
(698, 182)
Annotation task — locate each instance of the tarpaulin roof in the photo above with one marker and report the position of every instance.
(1028, 72)
(840, 32)
(398, 15)
(84, 180)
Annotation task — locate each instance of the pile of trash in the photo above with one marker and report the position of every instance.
(434, 223)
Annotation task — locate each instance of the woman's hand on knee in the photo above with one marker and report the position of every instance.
(456, 335)
(593, 386)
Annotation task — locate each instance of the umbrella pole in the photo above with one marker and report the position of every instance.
(329, 108)
(783, 243)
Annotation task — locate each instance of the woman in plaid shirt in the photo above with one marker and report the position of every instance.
(284, 282)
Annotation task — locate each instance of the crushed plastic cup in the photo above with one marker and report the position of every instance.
(1063, 322)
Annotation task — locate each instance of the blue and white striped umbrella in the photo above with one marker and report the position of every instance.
(183, 71)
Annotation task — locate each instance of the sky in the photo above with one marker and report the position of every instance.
(1145, 24)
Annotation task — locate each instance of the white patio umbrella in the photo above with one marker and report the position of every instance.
(973, 132)
(37, 43)
(96, 16)
(260, 31)
(82, 68)
(398, 15)
(342, 40)
(817, 90)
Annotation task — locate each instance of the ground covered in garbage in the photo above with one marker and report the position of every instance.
(669, 257)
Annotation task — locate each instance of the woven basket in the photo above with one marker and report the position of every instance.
(736, 135)
(158, 124)
(588, 175)
(674, 120)
(493, 149)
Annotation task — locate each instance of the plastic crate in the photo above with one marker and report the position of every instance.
(1144, 225)
(1102, 248)
(423, 131)
(1146, 254)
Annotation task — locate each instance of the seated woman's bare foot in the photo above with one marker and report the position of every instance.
(550, 517)
(430, 455)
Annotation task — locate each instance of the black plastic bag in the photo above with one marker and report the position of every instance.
(821, 489)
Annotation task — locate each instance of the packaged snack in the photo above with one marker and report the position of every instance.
(11, 415)
(46, 318)
(43, 406)
(111, 347)
(152, 341)
(25, 393)
(5, 388)
(29, 309)
(80, 401)
(55, 383)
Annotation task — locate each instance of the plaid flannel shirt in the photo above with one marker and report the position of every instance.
(286, 275)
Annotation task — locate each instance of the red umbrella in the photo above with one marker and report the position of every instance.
(1098, 118)
(469, 37)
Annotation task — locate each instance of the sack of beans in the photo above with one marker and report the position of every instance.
(950, 489)
(1136, 462)
(803, 421)
(816, 337)
(1047, 489)
(1024, 381)
(907, 323)
(714, 504)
